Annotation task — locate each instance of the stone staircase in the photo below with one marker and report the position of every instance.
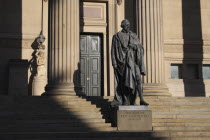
(156, 90)
(88, 118)
(189, 114)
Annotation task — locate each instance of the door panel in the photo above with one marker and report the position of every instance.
(90, 61)
(83, 74)
(83, 45)
(95, 74)
(94, 45)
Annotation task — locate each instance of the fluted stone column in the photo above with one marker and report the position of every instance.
(63, 46)
(149, 29)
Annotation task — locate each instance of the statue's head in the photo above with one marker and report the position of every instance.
(125, 24)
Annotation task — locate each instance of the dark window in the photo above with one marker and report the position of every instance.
(176, 71)
(206, 71)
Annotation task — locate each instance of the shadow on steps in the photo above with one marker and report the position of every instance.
(105, 107)
(37, 115)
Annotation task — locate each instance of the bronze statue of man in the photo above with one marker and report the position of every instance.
(128, 61)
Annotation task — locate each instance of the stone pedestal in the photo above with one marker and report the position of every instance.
(134, 118)
(38, 86)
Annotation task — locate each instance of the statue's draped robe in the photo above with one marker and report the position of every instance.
(129, 63)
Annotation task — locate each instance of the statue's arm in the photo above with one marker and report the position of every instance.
(140, 59)
(142, 66)
(113, 52)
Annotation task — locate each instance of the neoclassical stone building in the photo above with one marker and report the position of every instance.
(175, 35)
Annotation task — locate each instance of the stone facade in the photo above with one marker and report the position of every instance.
(19, 28)
(177, 34)
(186, 41)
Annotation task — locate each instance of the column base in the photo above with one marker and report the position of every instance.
(156, 90)
(59, 90)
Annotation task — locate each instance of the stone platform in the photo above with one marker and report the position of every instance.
(134, 118)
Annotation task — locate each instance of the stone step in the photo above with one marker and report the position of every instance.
(152, 106)
(154, 86)
(183, 110)
(57, 110)
(180, 124)
(108, 138)
(84, 134)
(190, 134)
(7, 113)
(166, 98)
(149, 138)
(128, 138)
(55, 117)
(180, 113)
(54, 106)
(64, 123)
(75, 103)
(156, 94)
(10, 100)
(196, 99)
(50, 103)
(155, 91)
(55, 125)
(76, 113)
(177, 110)
(174, 109)
(181, 116)
(42, 99)
(57, 129)
(67, 121)
(181, 128)
(95, 120)
(108, 135)
(113, 134)
(198, 120)
(174, 98)
(21, 98)
(178, 103)
(178, 106)
(145, 138)
(191, 138)
(64, 115)
(175, 102)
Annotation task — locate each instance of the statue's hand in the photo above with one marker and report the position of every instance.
(142, 73)
(115, 66)
(132, 46)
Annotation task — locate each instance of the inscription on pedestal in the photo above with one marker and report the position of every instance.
(134, 120)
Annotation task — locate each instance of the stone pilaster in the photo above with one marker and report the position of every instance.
(149, 29)
(63, 46)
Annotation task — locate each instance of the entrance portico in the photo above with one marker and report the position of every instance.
(69, 18)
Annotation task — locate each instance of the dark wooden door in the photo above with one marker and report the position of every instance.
(90, 64)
